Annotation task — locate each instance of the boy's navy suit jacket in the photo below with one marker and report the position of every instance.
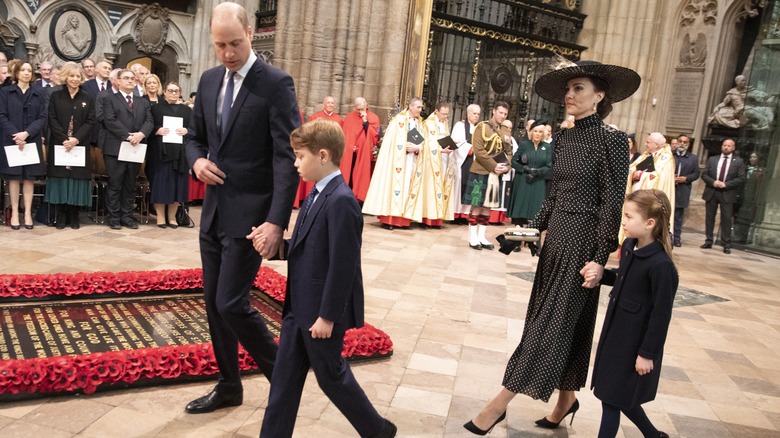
(324, 277)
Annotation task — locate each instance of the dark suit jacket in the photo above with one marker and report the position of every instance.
(686, 165)
(119, 120)
(38, 83)
(254, 153)
(61, 109)
(636, 323)
(324, 272)
(735, 178)
(92, 88)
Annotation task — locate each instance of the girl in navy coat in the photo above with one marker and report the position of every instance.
(628, 359)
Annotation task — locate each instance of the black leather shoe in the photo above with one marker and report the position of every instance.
(114, 226)
(213, 401)
(677, 244)
(706, 245)
(726, 250)
(129, 223)
(388, 430)
(471, 427)
(547, 424)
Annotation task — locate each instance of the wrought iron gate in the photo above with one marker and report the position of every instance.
(481, 51)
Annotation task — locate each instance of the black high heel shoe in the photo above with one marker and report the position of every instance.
(471, 427)
(547, 424)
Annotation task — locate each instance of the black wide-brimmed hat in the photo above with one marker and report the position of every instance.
(623, 82)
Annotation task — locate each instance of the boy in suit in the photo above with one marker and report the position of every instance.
(324, 291)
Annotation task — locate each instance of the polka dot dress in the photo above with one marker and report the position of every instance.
(582, 217)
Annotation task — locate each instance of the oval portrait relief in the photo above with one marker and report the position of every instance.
(72, 33)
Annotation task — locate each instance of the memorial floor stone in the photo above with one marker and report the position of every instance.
(48, 329)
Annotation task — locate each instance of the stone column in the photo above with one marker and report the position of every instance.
(203, 57)
(342, 48)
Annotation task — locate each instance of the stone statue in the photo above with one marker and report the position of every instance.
(730, 112)
(693, 52)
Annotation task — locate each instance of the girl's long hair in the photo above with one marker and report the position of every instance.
(654, 204)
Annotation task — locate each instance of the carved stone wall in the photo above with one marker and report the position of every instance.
(685, 52)
(344, 49)
(179, 35)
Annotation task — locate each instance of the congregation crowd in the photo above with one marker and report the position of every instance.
(53, 123)
(478, 173)
(484, 175)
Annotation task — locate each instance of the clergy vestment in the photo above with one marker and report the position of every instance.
(360, 140)
(389, 188)
(429, 199)
(661, 178)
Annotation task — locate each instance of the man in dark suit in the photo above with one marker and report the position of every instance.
(686, 171)
(239, 145)
(100, 82)
(724, 177)
(44, 70)
(125, 118)
(324, 296)
(104, 84)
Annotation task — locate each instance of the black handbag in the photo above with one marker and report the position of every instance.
(183, 218)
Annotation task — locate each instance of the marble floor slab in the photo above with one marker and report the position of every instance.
(455, 316)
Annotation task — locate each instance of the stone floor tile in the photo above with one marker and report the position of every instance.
(454, 325)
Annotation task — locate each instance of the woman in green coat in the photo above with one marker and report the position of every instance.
(531, 162)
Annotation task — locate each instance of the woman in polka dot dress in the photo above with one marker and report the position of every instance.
(582, 218)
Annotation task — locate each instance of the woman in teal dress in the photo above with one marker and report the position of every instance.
(71, 116)
(531, 162)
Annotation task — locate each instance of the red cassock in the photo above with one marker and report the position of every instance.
(323, 115)
(356, 162)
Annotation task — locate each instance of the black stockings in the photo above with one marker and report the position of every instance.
(610, 421)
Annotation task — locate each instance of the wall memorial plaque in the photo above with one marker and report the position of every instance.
(684, 101)
(72, 33)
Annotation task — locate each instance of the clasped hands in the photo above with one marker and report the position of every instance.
(166, 131)
(70, 143)
(592, 273)
(268, 240)
(135, 137)
(718, 184)
(20, 138)
(412, 148)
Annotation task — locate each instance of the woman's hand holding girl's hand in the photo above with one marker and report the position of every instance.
(643, 366)
(592, 273)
